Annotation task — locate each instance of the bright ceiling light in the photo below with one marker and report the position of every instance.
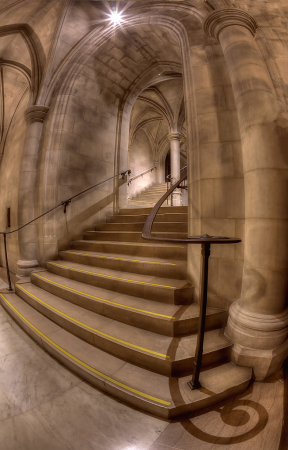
(115, 17)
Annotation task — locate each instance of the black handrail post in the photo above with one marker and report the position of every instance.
(195, 383)
(7, 265)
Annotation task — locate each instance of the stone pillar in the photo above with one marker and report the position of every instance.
(175, 164)
(258, 320)
(35, 116)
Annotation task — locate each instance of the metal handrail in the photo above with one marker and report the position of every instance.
(65, 203)
(182, 168)
(141, 174)
(205, 241)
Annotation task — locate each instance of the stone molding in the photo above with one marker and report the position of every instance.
(36, 113)
(260, 340)
(174, 136)
(254, 330)
(24, 268)
(216, 21)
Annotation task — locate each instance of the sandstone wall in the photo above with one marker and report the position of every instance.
(140, 159)
(9, 181)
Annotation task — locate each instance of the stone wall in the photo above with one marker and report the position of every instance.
(141, 158)
(9, 181)
(78, 152)
(217, 180)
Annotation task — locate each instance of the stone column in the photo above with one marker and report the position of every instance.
(35, 116)
(175, 164)
(258, 320)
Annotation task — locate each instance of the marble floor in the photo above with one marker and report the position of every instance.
(45, 407)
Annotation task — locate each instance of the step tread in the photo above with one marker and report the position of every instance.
(171, 227)
(137, 244)
(164, 311)
(160, 218)
(136, 385)
(126, 235)
(134, 232)
(167, 250)
(142, 223)
(121, 276)
(143, 341)
(162, 209)
(122, 257)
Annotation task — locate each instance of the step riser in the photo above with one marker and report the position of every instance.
(142, 204)
(142, 218)
(162, 210)
(129, 237)
(179, 227)
(190, 326)
(178, 271)
(153, 195)
(153, 192)
(165, 295)
(150, 194)
(175, 252)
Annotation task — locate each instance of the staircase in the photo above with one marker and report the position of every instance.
(149, 196)
(118, 312)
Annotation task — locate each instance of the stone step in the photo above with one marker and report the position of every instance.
(162, 210)
(157, 250)
(163, 318)
(142, 265)
(168, 217)
(143, 204)
(156, 190)
(149, 199)
(129, 236)
(179, 227)
(146, 194)
(134, 385)
(151, 192)
(161, 354)
(145, 286)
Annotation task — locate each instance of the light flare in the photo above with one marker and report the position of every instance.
(115, 17)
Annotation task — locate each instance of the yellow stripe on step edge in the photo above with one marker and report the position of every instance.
(127, 243)
(93, 329)
(102, 299)
(128, 388)
(110, 276)
(120, 259)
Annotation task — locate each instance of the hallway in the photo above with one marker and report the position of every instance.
(45, 407)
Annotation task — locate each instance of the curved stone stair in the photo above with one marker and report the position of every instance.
(150, 196)
(121, 315)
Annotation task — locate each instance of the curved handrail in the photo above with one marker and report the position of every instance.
(205, 242)
(140, 174)
(65, 204)
(146, 233)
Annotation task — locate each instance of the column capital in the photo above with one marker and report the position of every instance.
(222, 18)
(174, 136)
(37, 113)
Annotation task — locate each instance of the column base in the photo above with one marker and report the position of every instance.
(260, 340)
(264, 363)
(24, 268)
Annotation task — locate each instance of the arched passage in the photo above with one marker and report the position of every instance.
(118, 104)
